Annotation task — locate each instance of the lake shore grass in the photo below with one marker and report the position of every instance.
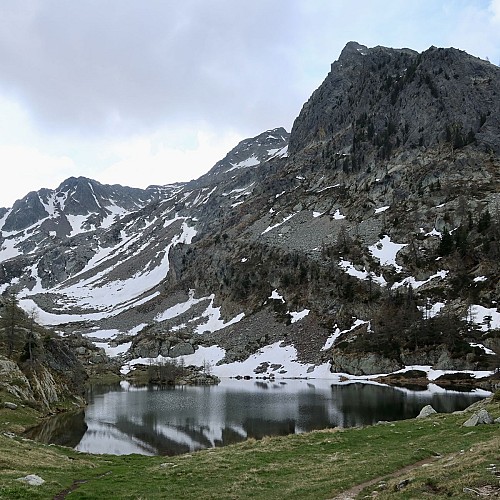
(315, 465)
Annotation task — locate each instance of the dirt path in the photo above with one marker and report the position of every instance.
(76, 484)
(353, 492)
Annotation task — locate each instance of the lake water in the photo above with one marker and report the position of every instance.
(122, 419)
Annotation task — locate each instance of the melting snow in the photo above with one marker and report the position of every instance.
(214, 322)
(382, 209)
(112, 352)
(297, 316)
(330, 341)
(479, 315)
(276, 296)
(385, 251)
(103, 334)
(180, 308)
(484, 348)
(337, 215)
(9, 250)
(270, 228)
(76, 222)
(253, 161)
(112, 297)
(349, 268)
(431, 310)
(416, 284)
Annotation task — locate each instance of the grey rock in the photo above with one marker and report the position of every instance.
(426, 411)
(31, 480)
(497, 420)
(165, 347)
(472, 421)
(10, 405)
(181, 349)
(363, 363)
(483, 417)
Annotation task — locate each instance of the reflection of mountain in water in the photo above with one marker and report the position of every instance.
(363, 404)
(155, 421)
(65, 429)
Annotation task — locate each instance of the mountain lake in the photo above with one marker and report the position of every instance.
(122, 419)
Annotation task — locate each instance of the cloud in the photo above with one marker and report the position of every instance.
(146, 160)
(495, 9)
(152, 92)
(122, 66)
(27, 169)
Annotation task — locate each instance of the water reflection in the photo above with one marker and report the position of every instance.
(165, 421)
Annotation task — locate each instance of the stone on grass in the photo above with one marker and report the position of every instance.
(472, 421)
(484, 417)
(426, 411)
(497, 420)
(481, 417)
(32, 480)
(10, 405)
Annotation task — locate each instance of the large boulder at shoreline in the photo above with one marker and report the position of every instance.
(426, 411)
(362, 363)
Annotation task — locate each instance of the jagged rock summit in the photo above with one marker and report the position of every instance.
(366, 241)
(417, 99)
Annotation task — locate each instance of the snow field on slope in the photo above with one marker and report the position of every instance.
(349, 268)
(213, 322)
(286, 356)
(113, 297)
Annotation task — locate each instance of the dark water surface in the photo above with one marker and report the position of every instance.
(122, 419)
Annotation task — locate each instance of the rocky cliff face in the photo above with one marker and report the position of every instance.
(392, 98)
(370, 243)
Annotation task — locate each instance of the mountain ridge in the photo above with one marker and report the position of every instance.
(297, 254)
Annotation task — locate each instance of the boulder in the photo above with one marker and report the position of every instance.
(483, 417)
(426, 411)
(32, 480)
(181, 349)
(9, 405)
(472, 421)
(362, 363)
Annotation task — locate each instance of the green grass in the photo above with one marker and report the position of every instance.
(308, 466)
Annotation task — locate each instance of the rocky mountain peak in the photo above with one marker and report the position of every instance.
(250, 153)
(398, 98)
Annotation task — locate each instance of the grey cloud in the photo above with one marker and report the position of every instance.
(109, 67)
(94, 65)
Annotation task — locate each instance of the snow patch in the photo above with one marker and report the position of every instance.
(330, 341)
(385, 251)
(297, 316)
(270, 228)
(349, 268)
(276, 296)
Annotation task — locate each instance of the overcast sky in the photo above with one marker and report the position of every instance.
(153, 92)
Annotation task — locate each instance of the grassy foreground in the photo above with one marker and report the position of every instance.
(317, 465)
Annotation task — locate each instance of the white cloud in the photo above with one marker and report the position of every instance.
(145, 160)
(495, 9)
(133, 94)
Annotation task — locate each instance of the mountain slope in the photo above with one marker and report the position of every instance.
(368, 245)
